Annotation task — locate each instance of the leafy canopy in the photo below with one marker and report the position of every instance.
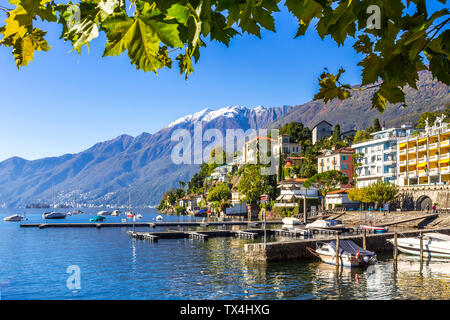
(409, 39)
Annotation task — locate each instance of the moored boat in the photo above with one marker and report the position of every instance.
(324, 224)
(97, 219)
(104, 213)
(14, 217)
(53, 215)
(435, 245)
(115, 213)
(159, 218)
(350, 254)
(289, 221)
(375, 229)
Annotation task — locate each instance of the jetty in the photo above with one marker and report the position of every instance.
(301, 249)
(147, 224)
(199, 235)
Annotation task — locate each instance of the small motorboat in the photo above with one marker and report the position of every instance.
(289, 221)
(376, 229)
(139, 216)
(159, 218)
(54, 215)
(435, 245)
(350, 254)
(324, 224)
(97, 219)
(71, 213)
(104, 213)
(115, 213)
(14, 217)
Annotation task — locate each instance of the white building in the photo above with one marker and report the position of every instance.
(220, 173)
(339, 198)
(378, 156)
(292, 190)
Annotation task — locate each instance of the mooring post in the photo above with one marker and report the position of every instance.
(364, 240)
(421, 246)
(337, 249)
(395, 247)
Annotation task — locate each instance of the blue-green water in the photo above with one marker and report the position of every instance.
(34, 263)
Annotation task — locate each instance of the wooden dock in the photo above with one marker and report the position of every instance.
(245, 234)
(145, 224)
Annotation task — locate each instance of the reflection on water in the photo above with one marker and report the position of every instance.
(33, 265)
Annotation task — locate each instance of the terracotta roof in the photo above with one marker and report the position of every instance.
(259, 138)
(339, 191)
(344, 150)
(294, 180)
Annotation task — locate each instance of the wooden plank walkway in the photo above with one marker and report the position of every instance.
(245, 234)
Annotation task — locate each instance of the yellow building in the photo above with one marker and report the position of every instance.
(423, 159)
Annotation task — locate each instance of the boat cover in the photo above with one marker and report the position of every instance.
(439, 236)
(349, 247)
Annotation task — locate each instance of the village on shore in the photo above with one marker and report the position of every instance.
(323, 169)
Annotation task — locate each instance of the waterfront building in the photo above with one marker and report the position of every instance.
(220, 173)
(377, 157)
(321, 130)
(423, 158)
(339, 159)
(339, 198)
(292, 190)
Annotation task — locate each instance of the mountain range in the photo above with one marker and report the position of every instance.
(110, 170)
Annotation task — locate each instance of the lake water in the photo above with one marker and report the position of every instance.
(34, 264)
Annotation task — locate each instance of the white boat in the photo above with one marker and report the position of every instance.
(139, 216)
(350, 254)
(291, 221)
(435, 245)
(159, 218)
(375, 229)
(14, 217)
(115, 213)
(54, 215)
(104, 213)
(324, 224)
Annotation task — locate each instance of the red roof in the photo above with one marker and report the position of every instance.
(339, 191)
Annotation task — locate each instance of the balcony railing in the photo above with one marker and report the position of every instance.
(445, 156)
(412, 150)
(434, 171)
(412, 161)
(423, 173)
(423, 159)
(433, 146)
(423, 148)
(403, 174)
(412, 173)
(445, 143)
(434, 158)
(445, 170)
(402, 163)
(403, 151)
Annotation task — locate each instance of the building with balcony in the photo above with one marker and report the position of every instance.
(377, 157)
(423, 158)
(292, 190)
(340, 160)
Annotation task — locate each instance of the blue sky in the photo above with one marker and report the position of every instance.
(64, 103)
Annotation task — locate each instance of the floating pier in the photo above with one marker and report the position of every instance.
(144, 224)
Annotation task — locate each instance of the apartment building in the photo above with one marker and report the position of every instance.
(377, 157)
(423, 158)
(341, 160)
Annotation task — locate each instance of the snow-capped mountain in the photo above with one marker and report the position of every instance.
(258, 117)
(107, 171)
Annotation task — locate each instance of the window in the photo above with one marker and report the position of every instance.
(344, 158)
(344, 167)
